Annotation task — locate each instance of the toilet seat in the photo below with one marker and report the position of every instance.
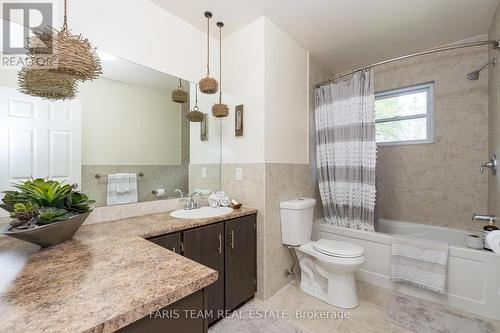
(338, 248)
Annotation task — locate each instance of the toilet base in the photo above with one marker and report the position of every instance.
(338, 290)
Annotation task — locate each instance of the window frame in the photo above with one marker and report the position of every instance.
(428, 88)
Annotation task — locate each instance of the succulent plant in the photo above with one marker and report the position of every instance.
(78, 202)
(48, 215)
(11, 198)
(42, 201)
(46, 193)
(24, 212)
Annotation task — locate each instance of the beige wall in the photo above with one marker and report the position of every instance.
(113, 111)
(286, 119)
(438, 183)
(494, 116)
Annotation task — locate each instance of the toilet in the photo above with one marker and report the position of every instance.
(327, 266)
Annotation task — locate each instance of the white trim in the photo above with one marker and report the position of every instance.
(428, 88)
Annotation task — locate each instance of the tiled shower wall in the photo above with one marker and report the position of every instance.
(494, 117)
(438, 183)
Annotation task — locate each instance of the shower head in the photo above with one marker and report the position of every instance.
(475, 75)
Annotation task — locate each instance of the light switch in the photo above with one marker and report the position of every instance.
(204, 173)
(239, 174)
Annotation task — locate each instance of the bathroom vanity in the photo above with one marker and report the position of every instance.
(228, 247)
(113, 277)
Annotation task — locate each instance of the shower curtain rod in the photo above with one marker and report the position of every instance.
(428, 51)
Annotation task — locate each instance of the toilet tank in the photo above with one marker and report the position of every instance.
(296, 221)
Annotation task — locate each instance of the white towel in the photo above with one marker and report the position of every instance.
(419, 262)
(224, 202)
(122, 189)
(122, 182)
(202, 192)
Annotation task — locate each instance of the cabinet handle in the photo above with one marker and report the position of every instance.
(173, 249)
(219, 237)
(232, 239)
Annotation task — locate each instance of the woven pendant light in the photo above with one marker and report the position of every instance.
(71, 54)
(195, 115)
(179, 95)
(208, 85)
(220, 110)
(47, 85)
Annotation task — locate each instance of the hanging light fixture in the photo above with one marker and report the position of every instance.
(220, 110)
(195, 115)
(179, 95)
(61, 59)
(42, 83)
(208, 85)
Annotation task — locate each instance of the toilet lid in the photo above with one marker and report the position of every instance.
(338, 248)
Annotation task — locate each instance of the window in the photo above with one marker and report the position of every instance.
(405, 115)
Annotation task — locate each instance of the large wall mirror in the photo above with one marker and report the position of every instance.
(122, 133)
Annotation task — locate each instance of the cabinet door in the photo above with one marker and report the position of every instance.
(165, 320)
(206, 246)
(171, 242)
(240, 261)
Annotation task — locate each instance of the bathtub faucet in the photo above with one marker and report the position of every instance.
(478, 217)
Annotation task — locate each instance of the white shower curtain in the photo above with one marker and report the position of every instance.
(346, 150)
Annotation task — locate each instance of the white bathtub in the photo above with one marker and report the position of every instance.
(473, 275)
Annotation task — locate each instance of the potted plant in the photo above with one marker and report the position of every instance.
(45, 212)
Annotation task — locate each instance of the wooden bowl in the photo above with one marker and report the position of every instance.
(238, 206)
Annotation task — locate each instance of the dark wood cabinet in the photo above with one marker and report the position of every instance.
(206, 246)
(228, 247)
(240, 261)
(174, 318)
(170, 241)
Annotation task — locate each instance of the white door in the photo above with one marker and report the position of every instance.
(38, 138)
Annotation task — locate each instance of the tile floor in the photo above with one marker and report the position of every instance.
(369, 317)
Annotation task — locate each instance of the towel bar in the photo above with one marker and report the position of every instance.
(98, 175)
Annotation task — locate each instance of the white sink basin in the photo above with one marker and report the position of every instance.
(201, 213)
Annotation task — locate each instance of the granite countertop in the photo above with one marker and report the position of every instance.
(105, 278)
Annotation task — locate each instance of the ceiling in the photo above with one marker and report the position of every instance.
(343, 34)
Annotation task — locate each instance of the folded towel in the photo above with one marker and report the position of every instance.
(224, 202)
(122, 182)
(220, 195)
(202, 192)
(120, 193)
(493, 240)
(213, 201)
(421, 263)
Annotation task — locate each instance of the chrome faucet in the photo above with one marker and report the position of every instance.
(478, 217)
(491, 164)
(192, 202)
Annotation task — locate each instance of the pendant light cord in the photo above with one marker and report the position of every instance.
(208, 46)
(220, 64)
(196, 95)
(65, 23)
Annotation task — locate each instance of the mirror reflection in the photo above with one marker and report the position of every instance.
(123, 139)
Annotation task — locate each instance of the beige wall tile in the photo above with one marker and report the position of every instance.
(168, 177)
(494, 116)
(438, 183)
